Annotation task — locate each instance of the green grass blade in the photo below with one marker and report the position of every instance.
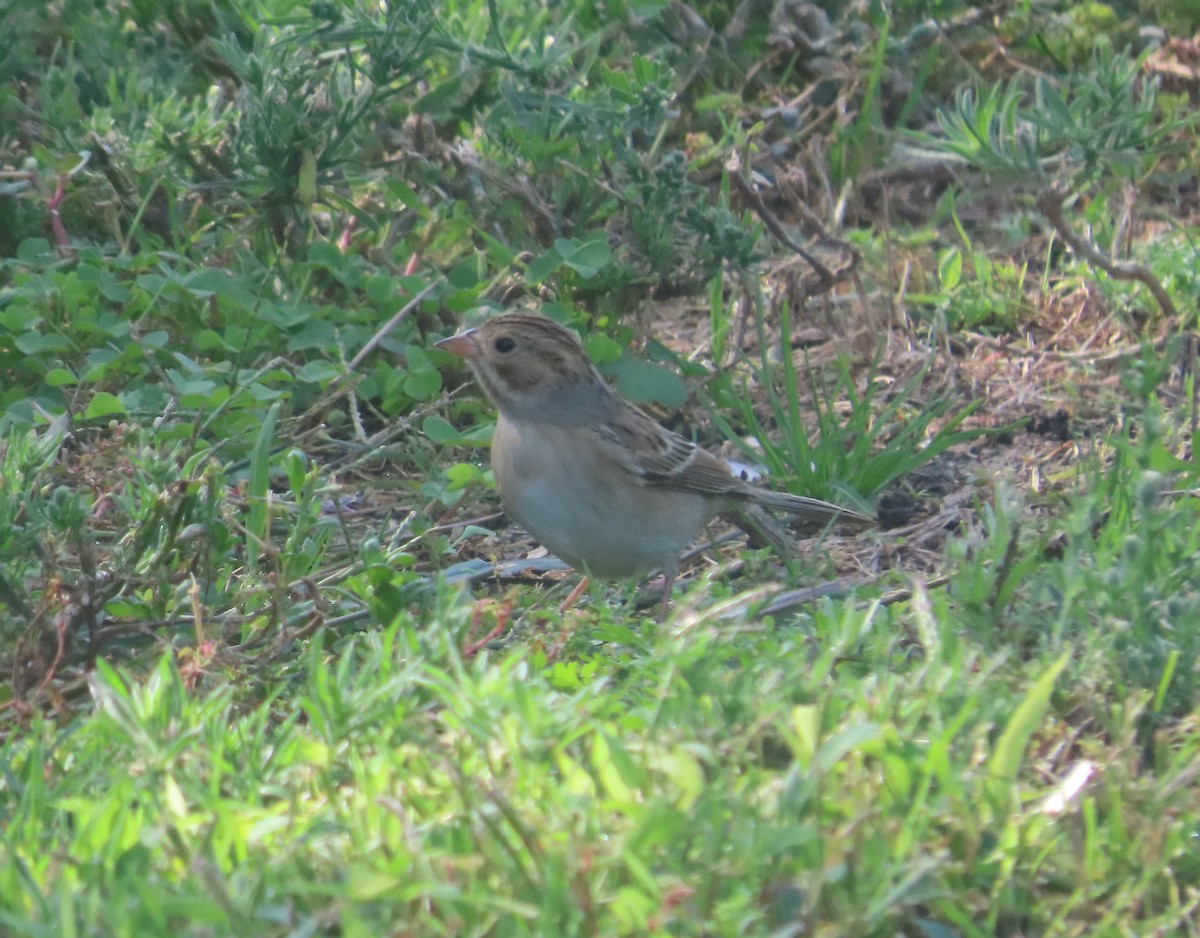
(258, 517)
(1010, 748)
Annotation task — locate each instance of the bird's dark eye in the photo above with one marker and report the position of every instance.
(505, 344)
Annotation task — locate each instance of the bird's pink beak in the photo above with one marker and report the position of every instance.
(464, 345)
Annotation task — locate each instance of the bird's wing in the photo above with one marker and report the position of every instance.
(657, 456)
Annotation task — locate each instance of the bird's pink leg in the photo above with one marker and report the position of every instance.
(574, 597)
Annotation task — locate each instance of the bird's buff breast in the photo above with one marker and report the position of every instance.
(585, 508)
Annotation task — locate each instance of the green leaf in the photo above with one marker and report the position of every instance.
(315, 334)
(209, 340)
(950, 269)
(112, 289)
(208, 281)
(327, 254)
(104, 404)
(380, 289)
(285, 315)
(445, 94)
(34, 343)
(152, 283)
(479, 436)
(306, 181)
(646, 383)
(1010, 748)
(603, 350)
(441, 431)
(59, 377)
(805, 724)
(319, 372)
(423, 385)
(408, 197)
(617, 773)
(844, 741)
(461, 474)
(34, 249)
(258, 492)
(542, 267)
(585, 258)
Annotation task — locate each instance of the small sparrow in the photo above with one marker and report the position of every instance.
(596, 480)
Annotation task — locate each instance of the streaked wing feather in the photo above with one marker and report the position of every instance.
(660, 457)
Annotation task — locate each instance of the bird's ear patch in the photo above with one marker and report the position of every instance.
(516, 373)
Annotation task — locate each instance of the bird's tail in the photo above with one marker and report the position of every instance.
(810, 509)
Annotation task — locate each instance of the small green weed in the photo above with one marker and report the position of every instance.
(857, 450)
